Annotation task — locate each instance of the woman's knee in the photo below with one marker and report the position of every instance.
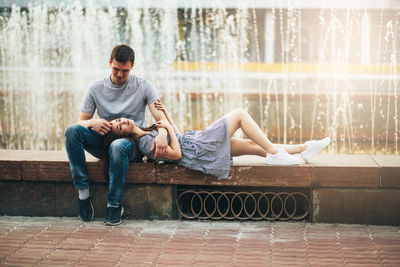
(241, 112)
(237, 113)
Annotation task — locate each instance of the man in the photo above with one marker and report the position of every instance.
(119, 95)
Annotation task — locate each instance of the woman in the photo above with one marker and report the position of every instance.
(210, 150)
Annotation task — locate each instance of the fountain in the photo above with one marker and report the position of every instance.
(301, 72)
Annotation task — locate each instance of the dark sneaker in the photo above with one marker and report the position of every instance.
(85, 210)
(113, 216)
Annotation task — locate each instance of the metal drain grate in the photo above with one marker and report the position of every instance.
(229, 205)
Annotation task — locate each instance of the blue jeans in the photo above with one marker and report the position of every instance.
(78, 139)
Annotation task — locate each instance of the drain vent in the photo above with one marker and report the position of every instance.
(229, 205)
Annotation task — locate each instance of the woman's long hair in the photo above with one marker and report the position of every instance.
(111, 137)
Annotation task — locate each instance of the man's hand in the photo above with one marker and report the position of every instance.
(160, 143)
(101, 126)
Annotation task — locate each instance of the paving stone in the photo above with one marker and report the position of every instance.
(68, 241)
(19, 259)
(51, 263)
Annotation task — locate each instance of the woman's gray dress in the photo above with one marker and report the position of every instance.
(207, 151)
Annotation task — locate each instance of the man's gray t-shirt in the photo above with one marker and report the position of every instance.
(126, 101)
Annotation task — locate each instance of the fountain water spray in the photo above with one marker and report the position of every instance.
(324, 76)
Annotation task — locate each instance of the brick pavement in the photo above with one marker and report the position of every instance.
(32, 241)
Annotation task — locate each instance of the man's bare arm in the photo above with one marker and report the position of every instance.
(101, 126)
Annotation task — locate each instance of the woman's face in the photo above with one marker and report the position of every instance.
(122, 126)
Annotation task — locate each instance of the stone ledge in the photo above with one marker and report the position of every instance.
(273, 176)
(324, 171)
(367, 206)
(53, 166)
(389, 171)
(141, 201)
(343, 188)
(346, 171)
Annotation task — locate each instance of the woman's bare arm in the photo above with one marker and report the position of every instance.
(174, 148)
(160, 106)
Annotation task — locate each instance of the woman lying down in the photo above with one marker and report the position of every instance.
(210, 150)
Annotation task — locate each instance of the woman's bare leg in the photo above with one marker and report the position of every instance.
(241, 147)
(292, 149)
(239, 118)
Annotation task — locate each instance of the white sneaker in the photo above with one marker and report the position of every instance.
(282, 158)
(314, 147)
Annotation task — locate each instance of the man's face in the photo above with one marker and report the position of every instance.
(120, 71)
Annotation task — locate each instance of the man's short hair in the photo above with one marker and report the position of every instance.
(123, 53)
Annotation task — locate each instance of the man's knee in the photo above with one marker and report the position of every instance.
(73, 130)
(120, 147)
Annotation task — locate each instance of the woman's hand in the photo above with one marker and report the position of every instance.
(174, 149)
(160, 106)
(163, 124)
